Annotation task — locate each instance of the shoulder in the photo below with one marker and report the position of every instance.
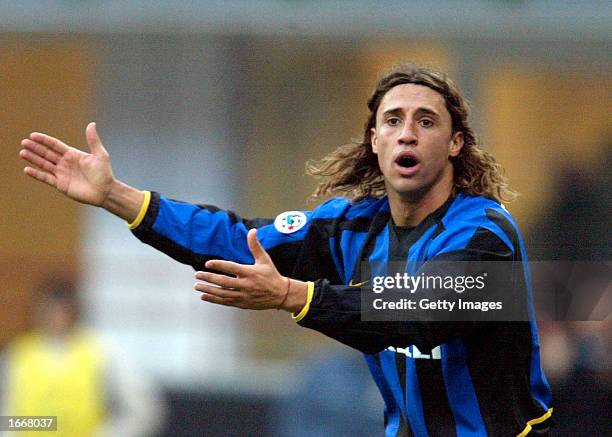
(477, 222)
(344, 208)
(22, 343)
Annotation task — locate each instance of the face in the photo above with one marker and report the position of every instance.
(56, 318)
(413, 141)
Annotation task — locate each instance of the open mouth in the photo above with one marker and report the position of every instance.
(406, 160)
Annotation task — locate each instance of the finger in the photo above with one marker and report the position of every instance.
(41, 150)
(93, 140)
(41, 175)
(257, 250)
(49, 141)
(36, 160)
(220, 300)
(228, 267)
(220, 280)
(217, 291)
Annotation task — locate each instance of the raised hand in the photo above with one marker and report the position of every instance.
(84, 177)
(259, 286)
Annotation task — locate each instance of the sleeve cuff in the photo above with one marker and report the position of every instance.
(143, 211)
(304, 311)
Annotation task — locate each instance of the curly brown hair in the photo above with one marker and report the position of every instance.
(352, 170)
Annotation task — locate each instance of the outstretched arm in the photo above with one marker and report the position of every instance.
(191, 234)
(84, 177)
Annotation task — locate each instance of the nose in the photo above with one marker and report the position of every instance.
(408, 134)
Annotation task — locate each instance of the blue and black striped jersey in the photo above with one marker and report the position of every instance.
(436, 378)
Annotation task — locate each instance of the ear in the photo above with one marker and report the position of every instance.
(456, 144)
(373, 140)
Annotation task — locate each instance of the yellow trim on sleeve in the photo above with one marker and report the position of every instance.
(535, 421)
(143, 211)
(304, 311)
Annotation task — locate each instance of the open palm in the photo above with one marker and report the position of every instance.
(85, 177)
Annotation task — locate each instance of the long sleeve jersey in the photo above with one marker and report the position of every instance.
(436, 378)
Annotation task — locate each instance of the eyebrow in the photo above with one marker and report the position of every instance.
(420, 110)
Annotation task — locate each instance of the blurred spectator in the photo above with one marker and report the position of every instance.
(61, 369)
(575, 233)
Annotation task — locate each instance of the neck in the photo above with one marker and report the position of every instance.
(411, 209)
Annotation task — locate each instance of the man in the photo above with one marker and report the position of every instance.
(418, 189)
(61, 368)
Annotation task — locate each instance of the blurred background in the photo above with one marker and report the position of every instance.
(222, 102)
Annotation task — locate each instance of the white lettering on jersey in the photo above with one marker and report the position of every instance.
(413, 352)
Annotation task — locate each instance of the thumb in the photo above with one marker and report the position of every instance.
(93, 140)
(257, 250)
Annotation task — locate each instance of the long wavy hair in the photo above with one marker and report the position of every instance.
(352, 170)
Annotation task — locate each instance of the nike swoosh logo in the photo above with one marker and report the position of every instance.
(359, 284)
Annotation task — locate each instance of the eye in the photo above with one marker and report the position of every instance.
(426, 122)
(393, 121)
